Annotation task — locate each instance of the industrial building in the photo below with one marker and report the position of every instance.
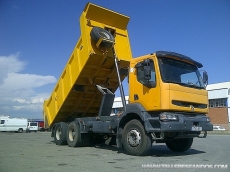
(219, 104)
(219, 101)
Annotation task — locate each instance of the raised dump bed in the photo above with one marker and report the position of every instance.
(76, 94)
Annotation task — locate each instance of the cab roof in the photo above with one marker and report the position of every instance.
(177, 55)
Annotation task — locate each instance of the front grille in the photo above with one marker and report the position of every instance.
(189, 104)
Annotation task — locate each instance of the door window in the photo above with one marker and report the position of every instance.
(141, 76)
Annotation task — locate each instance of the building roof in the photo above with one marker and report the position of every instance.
(218, 86)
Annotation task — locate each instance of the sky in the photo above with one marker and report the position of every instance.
(38, 36)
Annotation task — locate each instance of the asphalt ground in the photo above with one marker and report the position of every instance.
(36, 152)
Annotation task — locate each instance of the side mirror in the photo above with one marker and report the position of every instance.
(147, 69)
(205, 78)
(147, 73)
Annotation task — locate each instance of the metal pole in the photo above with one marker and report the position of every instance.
(119, 81)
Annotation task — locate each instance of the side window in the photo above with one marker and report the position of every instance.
(140, 74)
(2, 121)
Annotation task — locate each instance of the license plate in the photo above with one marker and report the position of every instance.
(195, 128)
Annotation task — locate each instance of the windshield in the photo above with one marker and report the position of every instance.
(175, 71)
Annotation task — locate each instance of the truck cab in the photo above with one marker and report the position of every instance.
(173, 83)
(169, 87)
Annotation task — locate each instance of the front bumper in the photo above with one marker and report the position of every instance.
(183, 123)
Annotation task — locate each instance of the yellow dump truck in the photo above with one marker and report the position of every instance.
(167, 97)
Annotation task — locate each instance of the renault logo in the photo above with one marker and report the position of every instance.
(192, 108)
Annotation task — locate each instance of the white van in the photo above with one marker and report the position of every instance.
(13, 124)
(32, 126)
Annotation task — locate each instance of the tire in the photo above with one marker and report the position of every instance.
(179, 145)
(74, 135)
(20, 130)
(97, 33)
(60, 133)
(134, 139)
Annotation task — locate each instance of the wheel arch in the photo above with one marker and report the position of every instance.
(133, 111)
(128, 117)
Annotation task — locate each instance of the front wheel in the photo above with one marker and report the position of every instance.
(134, 138)
(179, 145)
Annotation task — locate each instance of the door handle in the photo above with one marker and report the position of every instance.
(136, 97)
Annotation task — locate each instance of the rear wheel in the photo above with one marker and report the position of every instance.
(60, 133)
(74, 135)
(179, 145)
(134, 138)
(75, 138)
(20, 130)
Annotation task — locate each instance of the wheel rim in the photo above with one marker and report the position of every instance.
(134, 138)
(58, 134)
(71, 134)
(104, 35)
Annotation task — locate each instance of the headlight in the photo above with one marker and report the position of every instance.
(208, 119)
(168, 117)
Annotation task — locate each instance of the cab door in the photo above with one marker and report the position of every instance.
(145, 90)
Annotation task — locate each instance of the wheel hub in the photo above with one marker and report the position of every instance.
(134, 137)
(58, 134)
(71, 134)
(104, 35)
